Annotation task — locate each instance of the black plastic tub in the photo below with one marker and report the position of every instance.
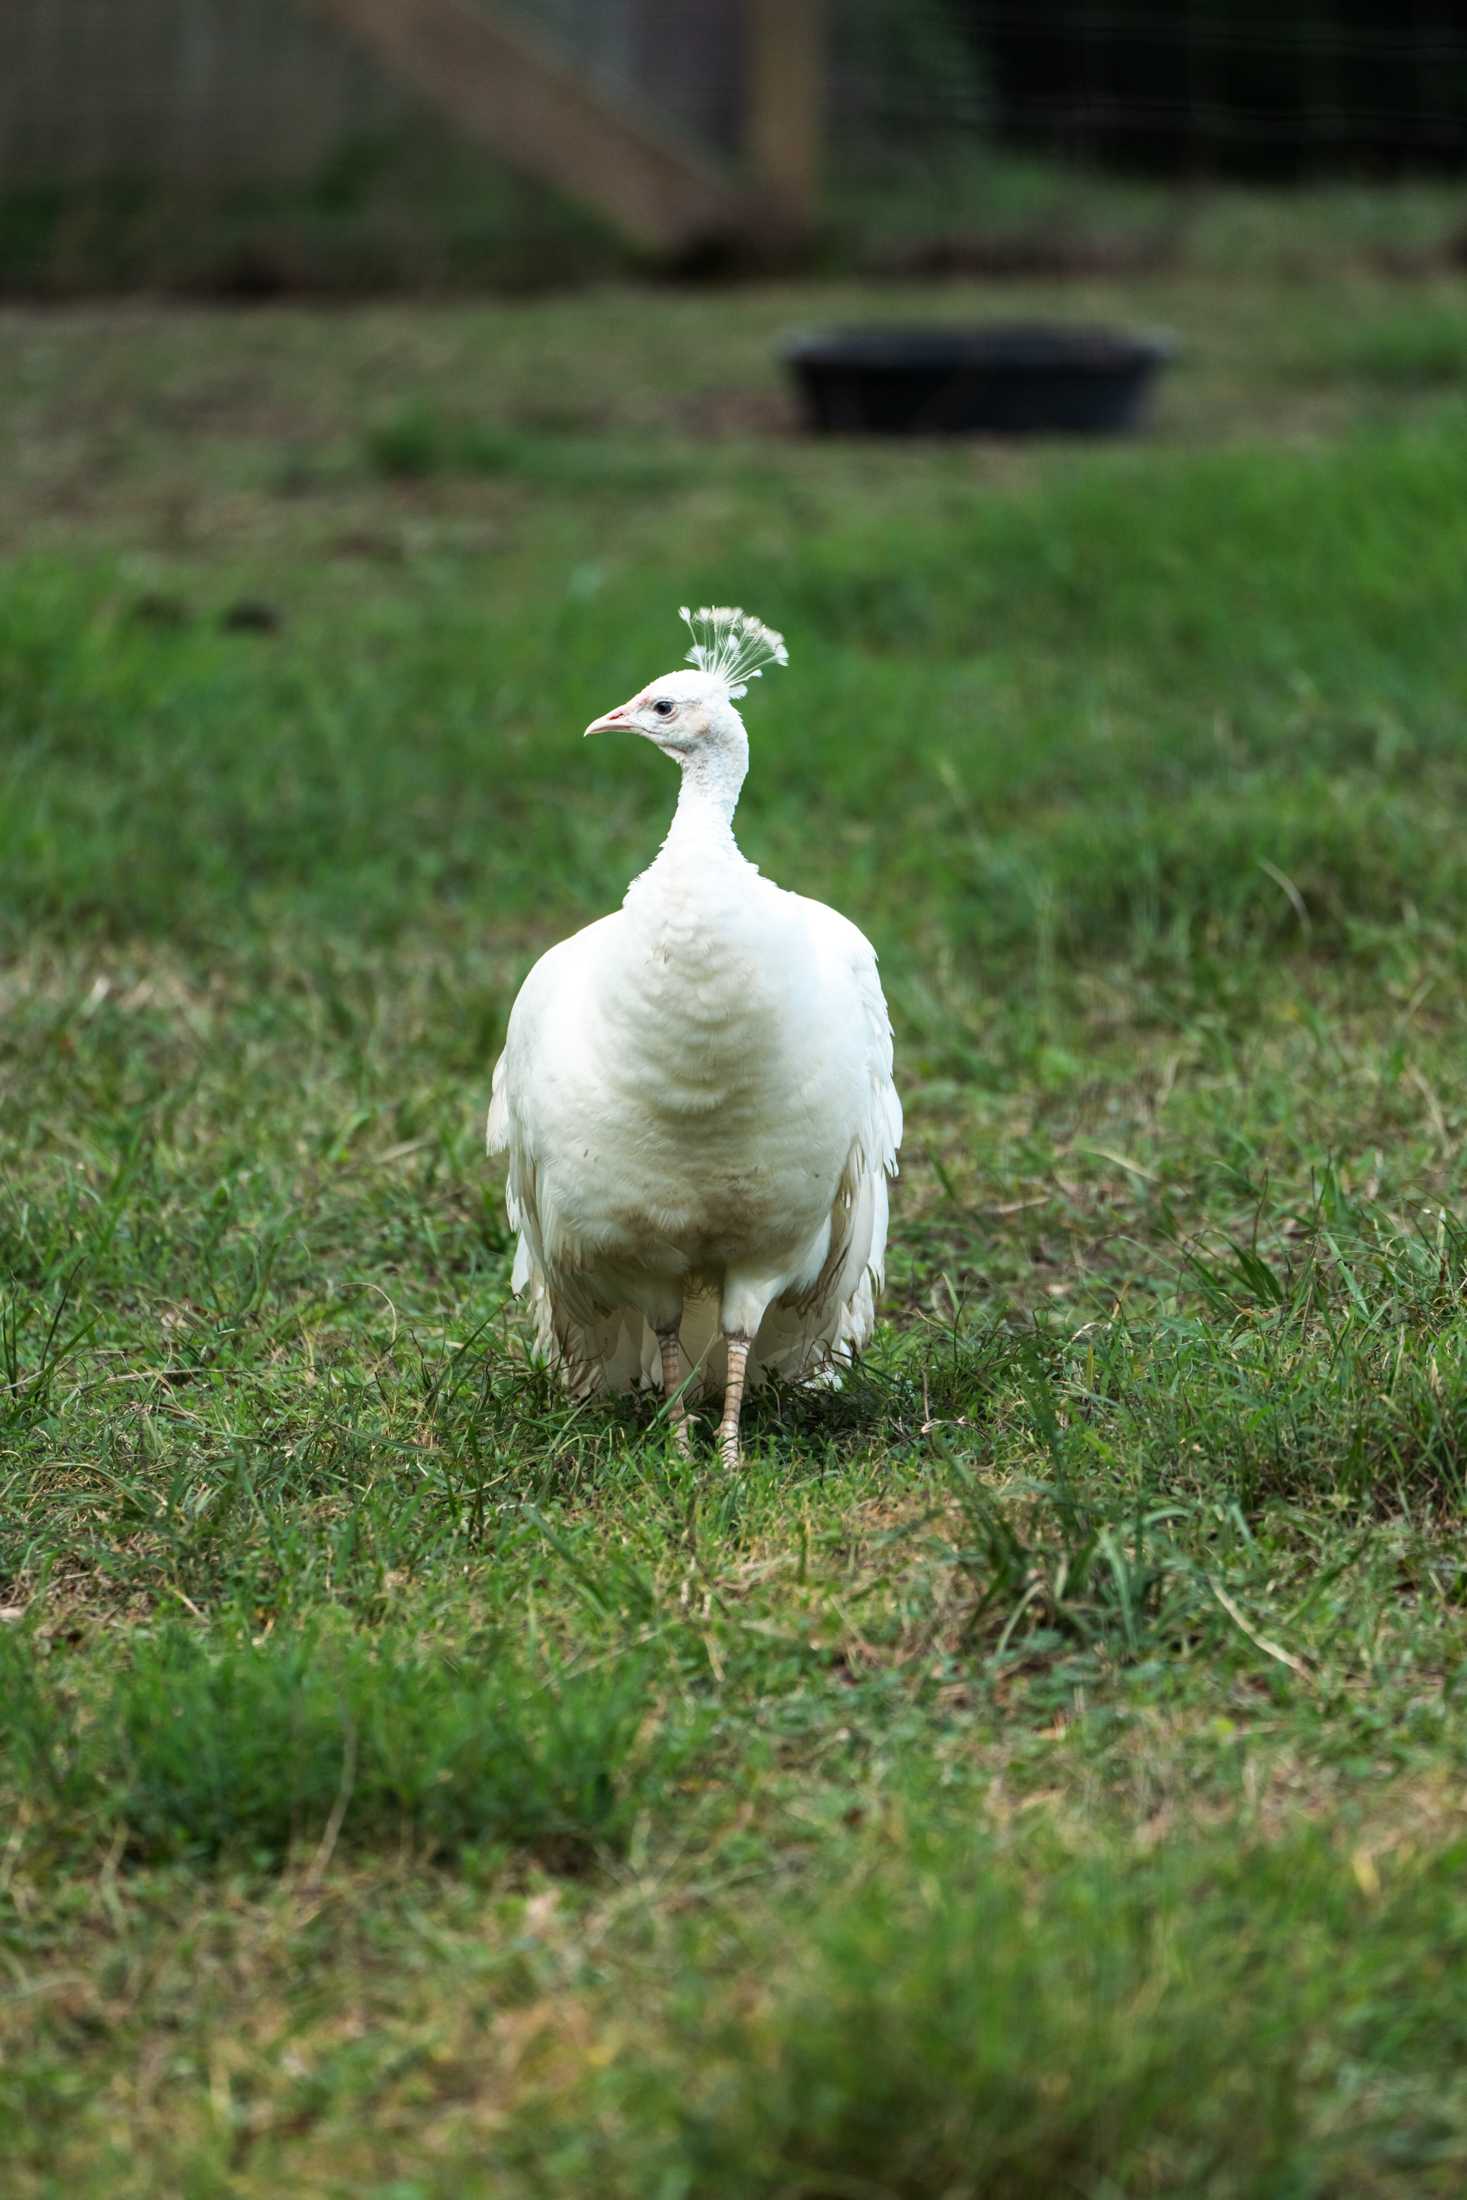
(994, 379)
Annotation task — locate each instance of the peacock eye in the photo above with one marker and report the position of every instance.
(663, 707)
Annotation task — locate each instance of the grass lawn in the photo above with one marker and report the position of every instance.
(1042, 1771)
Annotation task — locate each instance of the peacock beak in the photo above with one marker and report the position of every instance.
(621, 716)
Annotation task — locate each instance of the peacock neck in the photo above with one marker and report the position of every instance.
(702, 824)
(689, 947)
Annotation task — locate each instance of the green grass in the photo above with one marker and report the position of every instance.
(405, 209)
(409, 210)
(1040, 1771)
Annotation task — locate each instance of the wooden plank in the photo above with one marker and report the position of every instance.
(497, 84)
(784, 130)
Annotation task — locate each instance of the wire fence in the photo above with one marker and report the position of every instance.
(1230, 86)
(236, 89)
(226, 90)
(245, 147)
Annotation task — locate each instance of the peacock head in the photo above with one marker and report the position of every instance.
(692, 713)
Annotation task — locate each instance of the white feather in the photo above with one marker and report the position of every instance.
(696, 1101)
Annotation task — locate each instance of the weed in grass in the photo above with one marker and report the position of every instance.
(415, 444)
(1404, 352)
(964, 2022)
(251, 1750)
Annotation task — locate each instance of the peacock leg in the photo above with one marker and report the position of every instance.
(733, 1399)
(672, 1384)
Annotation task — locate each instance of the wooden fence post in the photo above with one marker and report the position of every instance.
(785, 113)
(487, 74)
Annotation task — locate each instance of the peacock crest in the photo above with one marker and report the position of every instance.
(732, 644)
